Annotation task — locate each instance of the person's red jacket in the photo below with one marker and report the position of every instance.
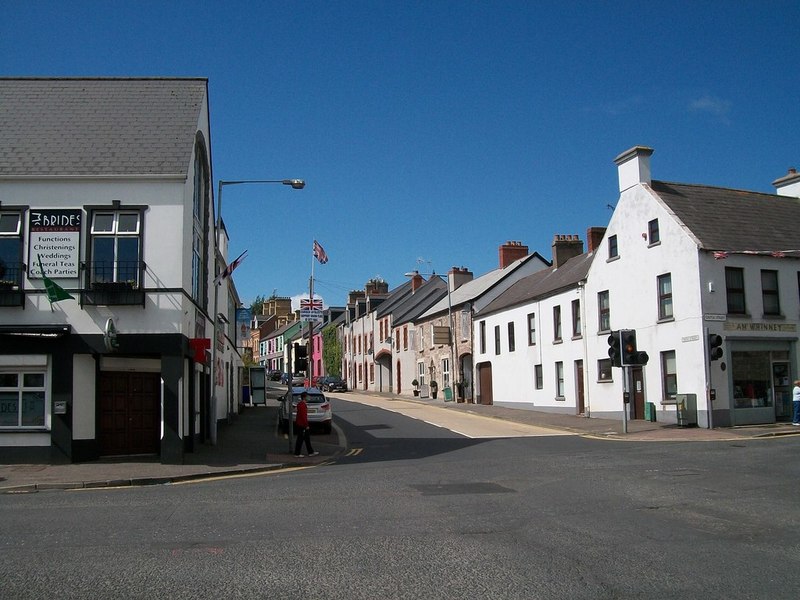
(302, 414)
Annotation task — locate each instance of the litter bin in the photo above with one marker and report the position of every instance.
(687, 409)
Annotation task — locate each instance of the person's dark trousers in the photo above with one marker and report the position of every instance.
(796, 411)
(303, 434)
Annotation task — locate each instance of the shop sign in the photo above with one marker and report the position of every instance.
(760, 327)
(55, 238)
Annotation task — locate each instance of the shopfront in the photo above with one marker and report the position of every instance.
(761, 375)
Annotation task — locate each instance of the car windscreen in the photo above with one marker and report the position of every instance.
(310, 399)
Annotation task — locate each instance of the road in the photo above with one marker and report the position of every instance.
(415, 510)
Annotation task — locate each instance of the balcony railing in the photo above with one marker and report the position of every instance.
(11, 293)
(113, 283)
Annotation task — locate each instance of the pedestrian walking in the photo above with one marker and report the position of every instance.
(302, 429)
(796, 403)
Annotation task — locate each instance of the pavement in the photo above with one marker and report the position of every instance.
(250, 444)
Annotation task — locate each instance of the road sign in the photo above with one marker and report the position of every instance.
(311, 314)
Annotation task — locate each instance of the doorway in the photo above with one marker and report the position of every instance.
(129, 416)
(637, 393)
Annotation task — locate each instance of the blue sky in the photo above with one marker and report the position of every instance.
(429, 133)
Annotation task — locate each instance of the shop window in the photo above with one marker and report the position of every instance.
(22, 399)
(769, 292)
(734, 290)
(751, 379)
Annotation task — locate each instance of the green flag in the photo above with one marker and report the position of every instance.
(54, 291)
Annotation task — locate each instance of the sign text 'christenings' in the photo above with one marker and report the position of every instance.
(55, 237)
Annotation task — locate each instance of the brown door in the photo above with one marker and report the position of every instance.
(637, 393)
(485, 381)
(579, 386)
(129, 415)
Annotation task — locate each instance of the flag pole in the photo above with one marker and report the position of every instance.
(310, 352)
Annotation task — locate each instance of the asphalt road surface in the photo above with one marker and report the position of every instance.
(415, 510)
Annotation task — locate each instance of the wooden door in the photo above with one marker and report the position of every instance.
(129, 413)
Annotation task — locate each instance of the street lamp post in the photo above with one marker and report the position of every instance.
(296, 184)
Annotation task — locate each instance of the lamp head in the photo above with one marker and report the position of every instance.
(297, 184)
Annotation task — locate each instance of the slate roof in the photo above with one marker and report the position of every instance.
(470, 290)
(421, 300)
(542, 284)
(98, 126)
(734, 220)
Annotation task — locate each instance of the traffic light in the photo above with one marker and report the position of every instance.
(714, 347)
(630, 353)
(300, 358)
(614, 352)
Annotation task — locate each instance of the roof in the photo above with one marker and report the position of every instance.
(99, 126)
(421, 300)
(734, 220)
(542, 284)
(469, 291)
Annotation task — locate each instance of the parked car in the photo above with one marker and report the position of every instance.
(298, 380)
(319, 408)
(332, 383)
(274, 375)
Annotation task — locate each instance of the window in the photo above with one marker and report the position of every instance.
(511, 342)
(604, 369)
(538, 376)
(199, 233)
(769, 292)
(734, 289)
(497, 339)
(613, 251)
(559, 379)
(116, 247)
(576, 318)
(405, 338)
(603, 312)
(669, 375)
(421, 373)
(22, 399)
(446, 372)
(466, 324)
(556, 323)
(532, 323)
(11, 247)
(665, 296)
(653, 235)
(482, 336)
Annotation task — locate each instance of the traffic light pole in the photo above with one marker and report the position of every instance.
(626, 374)
(707, 362)
(290, 398)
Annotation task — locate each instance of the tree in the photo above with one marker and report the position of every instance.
(256, 307)
(331, 351)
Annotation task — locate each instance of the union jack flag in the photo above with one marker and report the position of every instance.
(719, 255)
(315, 304)
(319, 253)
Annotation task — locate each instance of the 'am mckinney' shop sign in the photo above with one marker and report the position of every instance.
(55, 236)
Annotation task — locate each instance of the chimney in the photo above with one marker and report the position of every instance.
(354, 296)
(633, 167)
(457, 277)
(376, 286)
(594, 235)
(416, 281)
(511, 251)
(789, 184)
(566, 247)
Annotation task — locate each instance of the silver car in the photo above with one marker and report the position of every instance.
(319, 408)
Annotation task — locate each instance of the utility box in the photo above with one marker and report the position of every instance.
(650, 412)
(687, 409)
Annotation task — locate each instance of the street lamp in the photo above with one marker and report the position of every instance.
(453, 366)
(296, 184)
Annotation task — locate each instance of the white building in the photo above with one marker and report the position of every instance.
(680, 262)
(107, 184)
